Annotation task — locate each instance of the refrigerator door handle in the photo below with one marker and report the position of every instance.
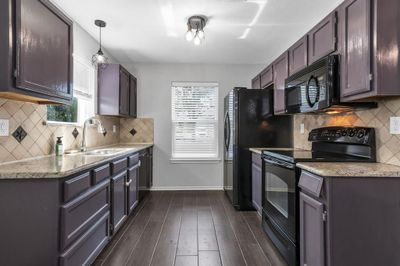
(227, 130)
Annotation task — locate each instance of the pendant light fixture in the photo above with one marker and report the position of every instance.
(195, 30)
(99, 59)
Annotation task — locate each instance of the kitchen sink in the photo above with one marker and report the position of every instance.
(105, 152)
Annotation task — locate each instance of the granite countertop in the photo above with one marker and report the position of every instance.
(58, 167)
(351, 169)
(260, 150)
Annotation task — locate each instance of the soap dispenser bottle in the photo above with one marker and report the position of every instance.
(59, 147)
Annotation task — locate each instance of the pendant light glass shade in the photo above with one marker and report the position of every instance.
(195, 30)
(99, 59)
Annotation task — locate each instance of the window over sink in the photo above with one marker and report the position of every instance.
(83, 106)
(194, 121)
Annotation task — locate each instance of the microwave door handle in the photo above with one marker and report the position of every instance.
(312, 78)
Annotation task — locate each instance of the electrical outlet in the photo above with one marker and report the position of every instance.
(302, 128)
(114, 129)
(395, 125)
(4, 127)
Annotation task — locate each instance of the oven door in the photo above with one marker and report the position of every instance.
(280, 197)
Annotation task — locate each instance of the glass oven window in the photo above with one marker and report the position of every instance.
(277, 192)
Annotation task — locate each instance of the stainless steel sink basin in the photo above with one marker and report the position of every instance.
(105, 152)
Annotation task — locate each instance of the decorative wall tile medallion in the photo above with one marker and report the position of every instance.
(19, 134)
(75, 133)
(133, 132)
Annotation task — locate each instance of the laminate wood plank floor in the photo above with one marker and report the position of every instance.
(190, 228)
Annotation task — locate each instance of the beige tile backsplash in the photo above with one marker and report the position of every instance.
(41, 137)
(388, 146)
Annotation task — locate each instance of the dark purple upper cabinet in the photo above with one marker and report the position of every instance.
(132, 96)
(298, 55)
(369, 44)
(36, 51)
(322, 39)
(266, 77)
(116, 91)
(124, 89)
(281, 72)
(256, 82)
(355, 37)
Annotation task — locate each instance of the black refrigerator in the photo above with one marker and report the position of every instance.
(249, 122)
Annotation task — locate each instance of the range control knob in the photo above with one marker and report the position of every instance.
(361, 134)
(344, 133)
(352, 133)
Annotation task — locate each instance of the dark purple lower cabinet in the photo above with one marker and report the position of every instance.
(312, 237)
(347, 221)
(88, 247)
(133, 187)
(118, 200)
(66, 221)
(256, 182)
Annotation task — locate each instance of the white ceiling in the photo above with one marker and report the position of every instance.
(153, 30)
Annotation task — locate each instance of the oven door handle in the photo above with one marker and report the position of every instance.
(283, 164)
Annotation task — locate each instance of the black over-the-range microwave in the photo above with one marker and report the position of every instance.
(317, 89)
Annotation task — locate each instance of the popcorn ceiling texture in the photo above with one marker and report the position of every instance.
(387, 145)
(41, 137)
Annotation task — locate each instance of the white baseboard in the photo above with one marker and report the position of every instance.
(188, 188)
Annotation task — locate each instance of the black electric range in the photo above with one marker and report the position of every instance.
(281, 193)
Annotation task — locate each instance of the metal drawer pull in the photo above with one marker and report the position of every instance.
(128, 183)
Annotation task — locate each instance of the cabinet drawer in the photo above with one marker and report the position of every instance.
(101, 173)
(78, 215)
(75, 186)
(256, 158)
(119, 166)
(87, 248)
(311, 183)
(133, 159)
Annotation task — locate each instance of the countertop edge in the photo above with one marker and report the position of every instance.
(346, 169)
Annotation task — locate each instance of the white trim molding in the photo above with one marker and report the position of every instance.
(179, 188)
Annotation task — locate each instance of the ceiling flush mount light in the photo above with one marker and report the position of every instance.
(99, 59)
(195, 30)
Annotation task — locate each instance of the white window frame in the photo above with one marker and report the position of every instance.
(83, 96)
(189, 159)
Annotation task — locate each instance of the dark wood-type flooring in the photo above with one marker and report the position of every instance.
(190, 228)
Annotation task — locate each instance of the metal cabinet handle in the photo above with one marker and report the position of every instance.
(128, 183)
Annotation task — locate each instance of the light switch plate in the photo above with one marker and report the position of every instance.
(114, 129)
(302, 128)
(395, 125)
(4, 128)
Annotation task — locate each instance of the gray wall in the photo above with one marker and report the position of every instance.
(85, 45)
(154, 100)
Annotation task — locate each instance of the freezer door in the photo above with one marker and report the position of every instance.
(228, 144)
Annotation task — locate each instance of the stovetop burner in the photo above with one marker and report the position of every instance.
(332, 144)
(295, 156)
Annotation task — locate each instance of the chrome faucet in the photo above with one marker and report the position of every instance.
(90, 121)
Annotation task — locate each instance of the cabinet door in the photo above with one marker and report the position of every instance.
(133, 97)
(255, 83)
(43, 49)
(266, 77)
(298, 55)
(355, 36)
(281, 72)
(312, 235)
(124, 88)
(118, 200)
(322, 39)
(133, 188)
(257, 187)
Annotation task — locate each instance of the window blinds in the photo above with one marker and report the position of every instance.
(194, 121)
